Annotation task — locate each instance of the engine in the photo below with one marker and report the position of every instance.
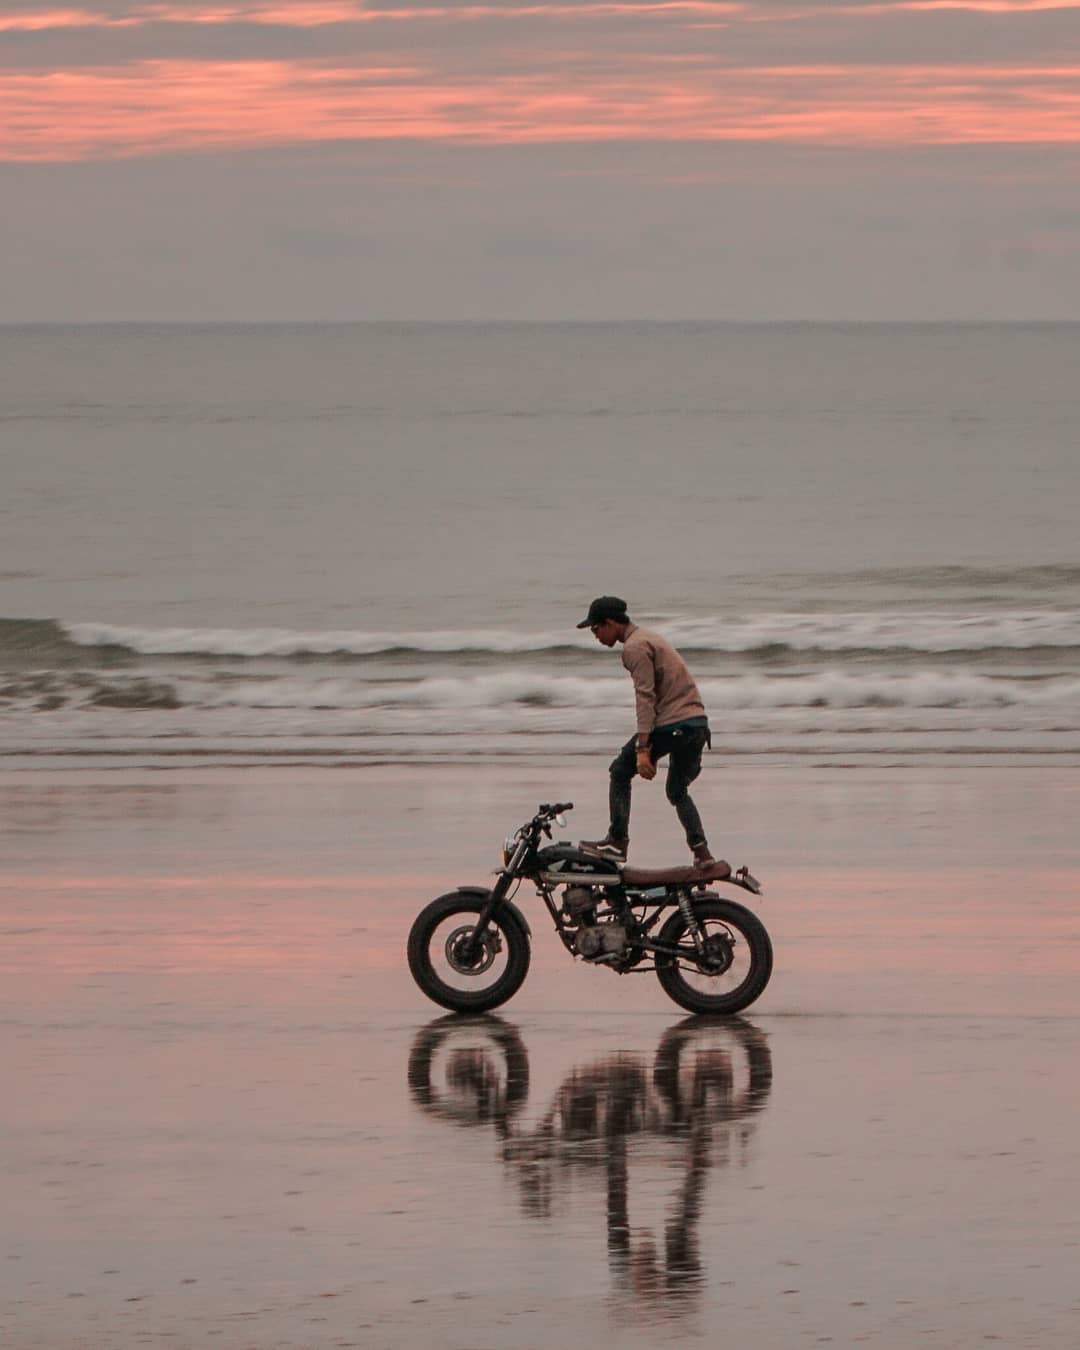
(577, 900)
(601, 939)
(593, 940)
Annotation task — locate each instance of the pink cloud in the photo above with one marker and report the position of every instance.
(159, 106)
(317, 13)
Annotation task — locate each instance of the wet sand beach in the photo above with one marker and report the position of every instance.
(232, 1120)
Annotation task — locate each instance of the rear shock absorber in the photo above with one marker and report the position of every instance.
(686, 909)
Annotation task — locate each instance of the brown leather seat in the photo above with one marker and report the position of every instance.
(676, 876)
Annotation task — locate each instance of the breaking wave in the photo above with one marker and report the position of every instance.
(829, 632)
(819, 690)
(880, 682)
(827, 689)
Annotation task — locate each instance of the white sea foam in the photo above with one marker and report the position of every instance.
(824, 689)
(830, 688)
(877, 631)
(824, 632)
(281, 642)
(503, 690)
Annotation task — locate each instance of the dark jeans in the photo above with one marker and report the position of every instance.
(684, 746)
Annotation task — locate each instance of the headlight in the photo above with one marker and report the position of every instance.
(509, 844)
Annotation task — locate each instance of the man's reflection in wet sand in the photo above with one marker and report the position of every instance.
(694, 1106)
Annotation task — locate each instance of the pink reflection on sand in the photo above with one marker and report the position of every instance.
(974, 921)
(238, 921)
(252, 881)
(998, 925)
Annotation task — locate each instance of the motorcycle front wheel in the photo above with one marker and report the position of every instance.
(734, 967)
(461, 974)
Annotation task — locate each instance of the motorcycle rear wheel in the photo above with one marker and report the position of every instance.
(448, 973)
(738, 961)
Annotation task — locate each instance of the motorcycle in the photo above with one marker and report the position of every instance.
(469, 950)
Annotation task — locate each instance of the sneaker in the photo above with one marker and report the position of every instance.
(702, 856)
(607, 847)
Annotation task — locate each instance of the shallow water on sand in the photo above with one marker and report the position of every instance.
(232, 1120)
(251, 1171)
(930, 890)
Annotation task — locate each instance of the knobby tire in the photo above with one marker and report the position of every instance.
(747, 928)
(514, 936)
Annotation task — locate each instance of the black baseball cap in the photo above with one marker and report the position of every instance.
(605, 607)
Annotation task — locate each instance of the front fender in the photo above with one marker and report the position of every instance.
(482, 893)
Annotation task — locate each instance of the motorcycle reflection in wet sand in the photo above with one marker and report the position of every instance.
(469, 950)
(694, 1105)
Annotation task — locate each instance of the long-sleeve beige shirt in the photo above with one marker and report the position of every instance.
(664, 689)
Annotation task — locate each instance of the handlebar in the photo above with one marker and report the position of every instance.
(555, 809)
(541, 822)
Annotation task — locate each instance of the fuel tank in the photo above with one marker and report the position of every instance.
(565, 862)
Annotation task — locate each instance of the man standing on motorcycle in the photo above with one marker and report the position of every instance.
(670, 721)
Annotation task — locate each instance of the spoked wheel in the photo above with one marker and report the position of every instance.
(459, 970)
(732, 969)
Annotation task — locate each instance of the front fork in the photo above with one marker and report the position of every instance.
(499, 892)
(498, 895)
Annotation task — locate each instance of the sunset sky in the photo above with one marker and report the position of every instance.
(677, 158)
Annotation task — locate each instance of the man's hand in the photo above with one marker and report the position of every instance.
(645, 766)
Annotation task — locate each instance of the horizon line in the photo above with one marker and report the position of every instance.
(525, 320)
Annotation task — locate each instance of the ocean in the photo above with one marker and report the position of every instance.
(338, 544)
